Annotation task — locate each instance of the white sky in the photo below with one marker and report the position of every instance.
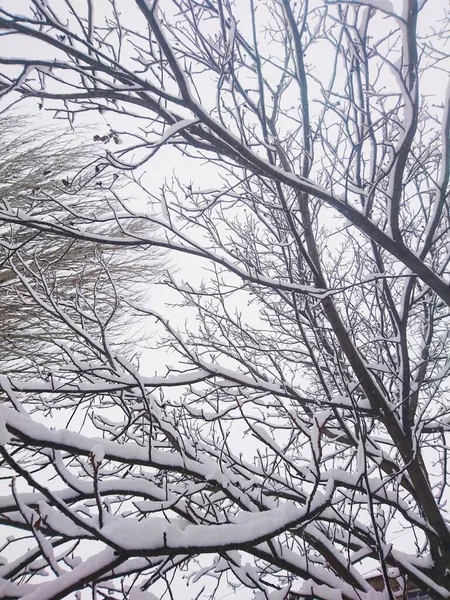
(162, 166)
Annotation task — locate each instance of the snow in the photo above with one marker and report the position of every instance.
(413, 564)
(384, 5)
(247, 574)
(321, 417)
(263, 435)
(176, 128)
(276, 595)
(157, 535)
(57, 521)
(108, 386)
(5, 436)
(5, 385)
(97, 453)
(361, 457)
(138, 595)
(65, 439)
(159, 532)
(9, 589)
(86, 570)
(164, 209)
(378, 367)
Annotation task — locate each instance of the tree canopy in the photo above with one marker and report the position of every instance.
(298, 153)
(60, 176)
